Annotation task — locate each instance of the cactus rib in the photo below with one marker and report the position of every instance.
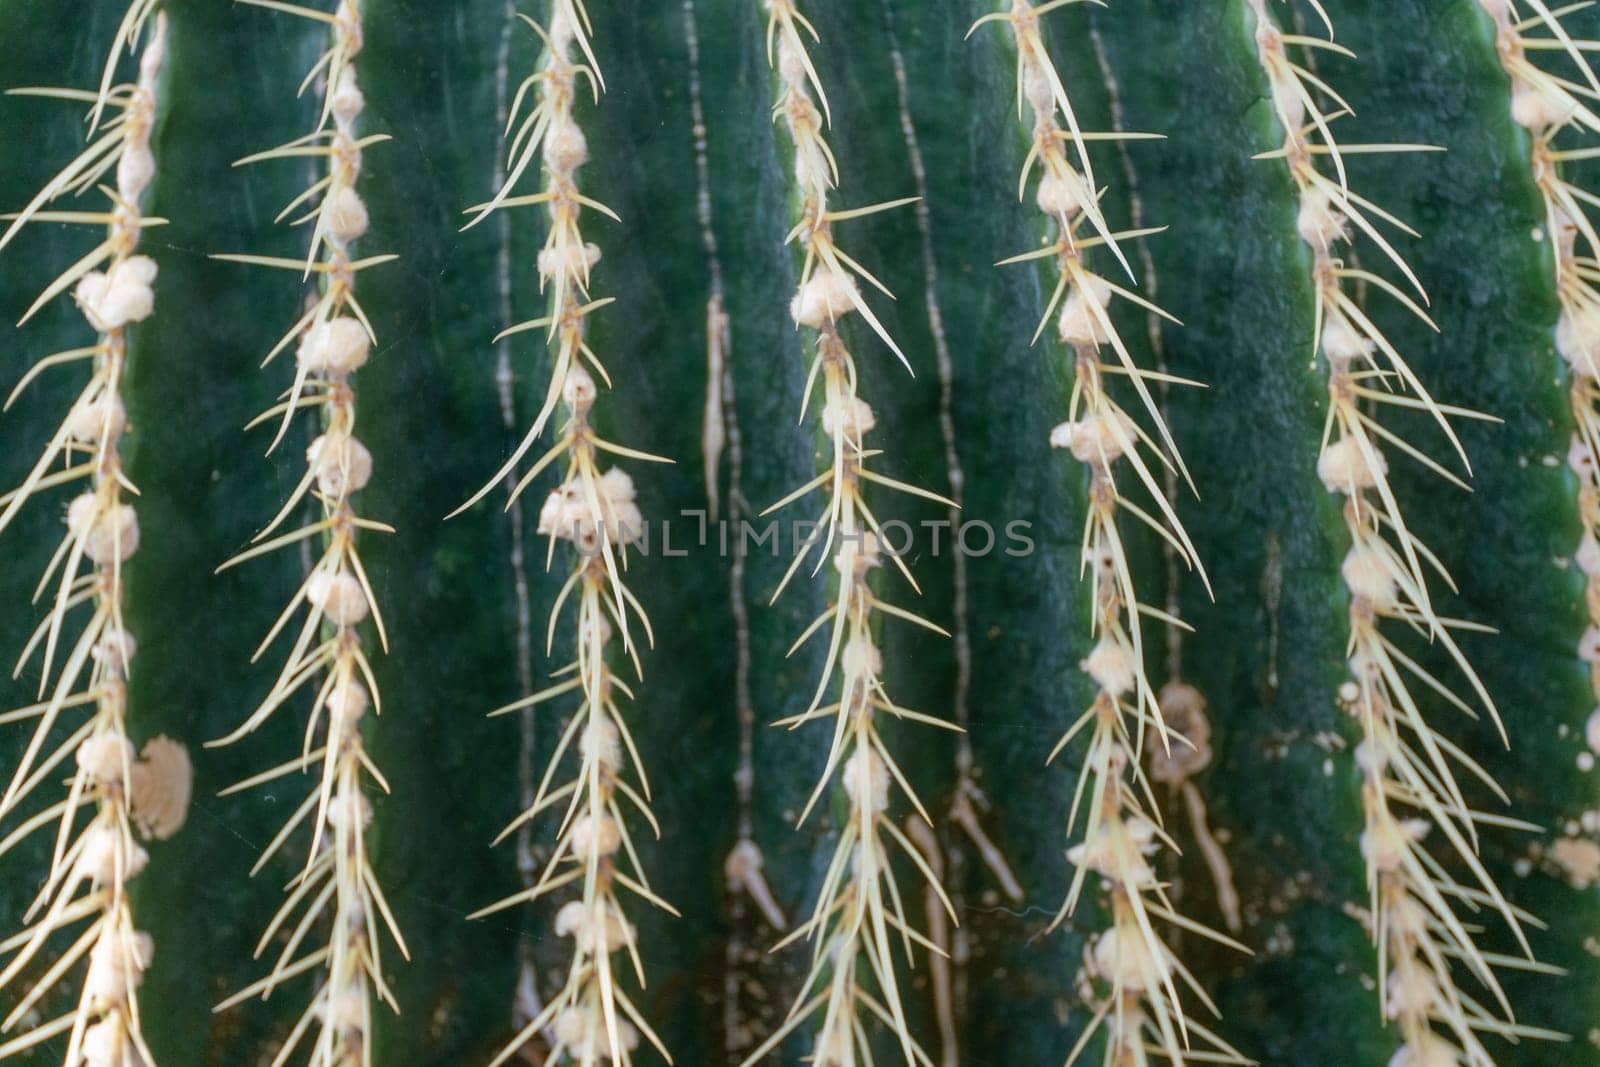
(859, 913)
(337, 886)
(592, 1018)
(91, 867)
(1130, 975)
(1407, 766)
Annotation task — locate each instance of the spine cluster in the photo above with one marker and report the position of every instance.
(1408, 768)
(93, 860)
(858, 918)
(1548, 105)
(591, 1018)
(336, 890)
(1130, 976)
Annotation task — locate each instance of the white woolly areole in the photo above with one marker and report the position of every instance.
(342, 464)
(1123, 957)
(573, 920)
(1588, 555)
(135, 170)
(339, 596)
(849, 415)
(586, 839)
(115, 649)
(100, 419)
(1578, 339)
(1367, 574)
(1411, 991)
(345, 215)
(1111, 667)
(107, 1044)
(107, 534)
(566, 148)
(105, 756)
(578, 390)
(858, 553)
(1363, 665)
(98, 859)
(575, 1032)
(1096, 438)
(120, 296)
(1036, 86)
(335, 347)
(866, 779)
(1537, 107)
(348, 101)
(861, 658)
(116, 966)
(602, 742)
(1141, 831)
(568, 260)
(568, 514)
(569, 918)
(1320, 221)
(616, 486)
(1057, 195)
(1291, 108)
(349, 809)
(561, 31)
(1344, 468)
(1371, 759)
(791, 62)
(560, 510)
(1078, 324)
(347, 703)
(827, 296)
(1092, 855)
(344, 1009)
(1342, 343)
(1425, 1050)
(1385, 843)
(1408, 918)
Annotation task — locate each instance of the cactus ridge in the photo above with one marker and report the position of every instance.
(336, 889)
(859, 914)
(1130, 976)
(592, 1018)
(92, 864)
(1408, 767)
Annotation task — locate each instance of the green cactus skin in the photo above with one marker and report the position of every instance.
(1267, 652)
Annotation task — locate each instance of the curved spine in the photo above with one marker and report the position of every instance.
(859, 914)
(336, 888)
(91, 865)
(1130, 977)
(1408, 767)
(591, 1018)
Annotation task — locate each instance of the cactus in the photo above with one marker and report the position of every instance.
(1234, 701)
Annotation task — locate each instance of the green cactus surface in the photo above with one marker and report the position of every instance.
(1196, 662)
